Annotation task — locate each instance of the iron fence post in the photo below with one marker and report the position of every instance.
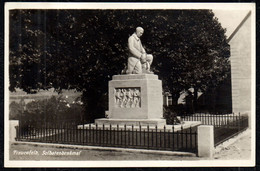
(103, 141)
(164, 133)
(156, 136)
(190, 138)
(144, 137)
(173, 138)
(17, 133)
(148, 136)
(177, 140)
(239, 120)
(140, 131)
(125, 136)
(90, 134)
(152, 138)
(132, 134)
(181, 137)
(160, 139)
(186, 140)
(110, 131)
(136, 137)
(83, 136)
(169, 138)
(117, 134)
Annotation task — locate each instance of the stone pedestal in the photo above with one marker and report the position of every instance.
(135, 100)
(12, 130)
(206, 141)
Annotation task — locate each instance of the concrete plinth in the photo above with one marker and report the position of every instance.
(135, 100)
(168, 128)
(130, 122)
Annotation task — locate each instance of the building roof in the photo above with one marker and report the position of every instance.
(239, 26)
(231, 20)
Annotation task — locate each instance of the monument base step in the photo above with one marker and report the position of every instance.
(130, 122)
(184, 125)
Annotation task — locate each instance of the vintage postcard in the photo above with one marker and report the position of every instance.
(129, 84)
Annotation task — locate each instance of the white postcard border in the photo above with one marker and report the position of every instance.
(200, 163)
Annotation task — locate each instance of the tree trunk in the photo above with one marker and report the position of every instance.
(195, 97)
(175, 98)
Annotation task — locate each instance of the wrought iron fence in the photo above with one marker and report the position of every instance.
(137, 137)
(225, 126)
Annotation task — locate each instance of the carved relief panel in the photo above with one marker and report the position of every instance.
(127, 97)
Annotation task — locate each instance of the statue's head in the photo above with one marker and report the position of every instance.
(139, 31)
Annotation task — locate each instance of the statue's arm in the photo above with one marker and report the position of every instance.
(143, 50)
(132, 49)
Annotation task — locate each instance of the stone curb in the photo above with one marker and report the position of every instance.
(173, 153)
(231, 141)
(185, 125)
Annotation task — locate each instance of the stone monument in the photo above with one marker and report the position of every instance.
(138, 60)
(135, 98)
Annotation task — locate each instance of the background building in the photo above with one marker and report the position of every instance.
(240, 48)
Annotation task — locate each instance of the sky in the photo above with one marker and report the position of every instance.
(230, 19)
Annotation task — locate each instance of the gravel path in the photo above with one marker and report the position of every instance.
(239, 150)
(42, 153)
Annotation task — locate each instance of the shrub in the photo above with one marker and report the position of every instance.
(54, 109)
(14, 110)
(170, 115)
